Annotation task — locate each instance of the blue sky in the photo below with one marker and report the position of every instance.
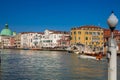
(38, 15)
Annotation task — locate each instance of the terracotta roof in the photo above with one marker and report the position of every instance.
(59, 32)
(87, 26)
(109, 30)
(40, 32)
(26, 32)
(31, 32)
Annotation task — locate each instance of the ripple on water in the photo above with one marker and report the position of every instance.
(49, 65)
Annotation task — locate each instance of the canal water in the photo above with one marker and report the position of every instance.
(50, 65)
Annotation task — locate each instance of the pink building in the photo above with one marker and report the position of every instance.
(64, 41)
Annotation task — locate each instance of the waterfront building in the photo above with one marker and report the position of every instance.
(6, 38)
(46, 40)
(117, 37)
(17, 39)
(64, 41)
(38, 40)
(30, 40)
(107, 35)
(91, 36)
(52, 38)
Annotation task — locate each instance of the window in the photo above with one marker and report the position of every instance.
(71, 33)
(86, 32)
(93, 33)
(74, 32)
(54, 36)
(90, 32)
(79, 38)
(86, 38)
(79, 32)
(102, 43)
(98, 33)
(70, 38)
(60, 36)
(101, 33)
(75, 38)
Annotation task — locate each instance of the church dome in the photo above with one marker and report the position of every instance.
(6, 31)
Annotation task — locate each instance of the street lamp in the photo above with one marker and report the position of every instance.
(112, 49)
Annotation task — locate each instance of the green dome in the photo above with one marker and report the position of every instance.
(6, 31)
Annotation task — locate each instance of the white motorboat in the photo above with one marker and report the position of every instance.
(87, 57)
(97, 57)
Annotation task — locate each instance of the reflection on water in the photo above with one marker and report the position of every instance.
(50, 65)
(0, 67)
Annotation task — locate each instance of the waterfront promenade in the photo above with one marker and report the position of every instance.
(51, 65)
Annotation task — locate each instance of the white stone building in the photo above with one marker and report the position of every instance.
(30, 40)
(50, 38)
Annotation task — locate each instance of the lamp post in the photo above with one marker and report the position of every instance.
(112, 49)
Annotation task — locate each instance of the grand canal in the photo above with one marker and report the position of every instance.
(50, 65)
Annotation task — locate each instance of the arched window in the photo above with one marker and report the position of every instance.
(86, 38)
